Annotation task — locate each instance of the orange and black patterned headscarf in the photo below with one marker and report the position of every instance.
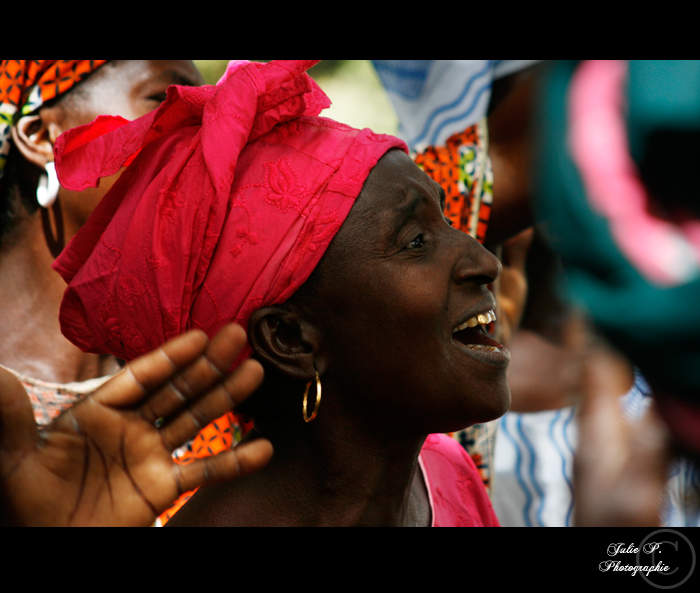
(25, 85)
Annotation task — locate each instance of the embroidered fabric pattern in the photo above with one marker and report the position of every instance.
(112, 306)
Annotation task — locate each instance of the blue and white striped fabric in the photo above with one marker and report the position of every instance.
(533, 468)
(681, 506)
(435, 99)
(637, 400)
(682, 496)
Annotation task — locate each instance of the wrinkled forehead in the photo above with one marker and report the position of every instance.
(393, 175)
(394, 186)
(389, 194)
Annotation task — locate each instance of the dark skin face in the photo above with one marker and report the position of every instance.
(377, 323)
(393, 285)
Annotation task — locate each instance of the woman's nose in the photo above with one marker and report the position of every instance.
(475, 263)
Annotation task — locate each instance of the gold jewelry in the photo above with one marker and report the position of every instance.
(318, 399)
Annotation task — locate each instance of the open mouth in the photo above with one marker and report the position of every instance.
(474, 333)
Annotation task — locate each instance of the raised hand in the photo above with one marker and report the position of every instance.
(107, 460)
(621, 467)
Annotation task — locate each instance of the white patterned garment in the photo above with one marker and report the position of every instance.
(533, 468)
(435, 99)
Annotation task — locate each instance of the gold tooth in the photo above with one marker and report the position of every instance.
(481, 319)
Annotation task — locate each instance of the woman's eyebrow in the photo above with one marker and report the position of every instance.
(403, 213)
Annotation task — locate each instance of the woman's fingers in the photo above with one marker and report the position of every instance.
(147, 373)
(165, 380)
(235, 388)
(186, 383)
(243, 460)
(198, 377)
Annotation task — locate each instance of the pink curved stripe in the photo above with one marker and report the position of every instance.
(664, 253)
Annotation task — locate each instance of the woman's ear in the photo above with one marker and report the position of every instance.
(34, 135)
(283, 338)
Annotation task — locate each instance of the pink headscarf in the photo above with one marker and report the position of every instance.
(232, 198)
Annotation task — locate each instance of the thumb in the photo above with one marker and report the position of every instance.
(18, 430)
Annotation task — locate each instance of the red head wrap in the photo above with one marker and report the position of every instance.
(233, 197)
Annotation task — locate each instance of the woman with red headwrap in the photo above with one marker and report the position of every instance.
(365, 307)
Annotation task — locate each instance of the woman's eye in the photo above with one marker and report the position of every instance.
(160, 97)
(417, 243)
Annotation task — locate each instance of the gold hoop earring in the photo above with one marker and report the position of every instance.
(318, 399)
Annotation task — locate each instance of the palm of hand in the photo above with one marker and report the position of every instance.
(104, 461)
(621, 467)
(98, 461)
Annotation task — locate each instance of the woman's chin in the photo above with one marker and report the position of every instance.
(495, 406)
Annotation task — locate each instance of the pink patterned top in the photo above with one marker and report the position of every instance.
(457, 494)
(50, 399)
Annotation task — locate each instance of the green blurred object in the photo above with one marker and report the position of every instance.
(658, 327)
(211, 70)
